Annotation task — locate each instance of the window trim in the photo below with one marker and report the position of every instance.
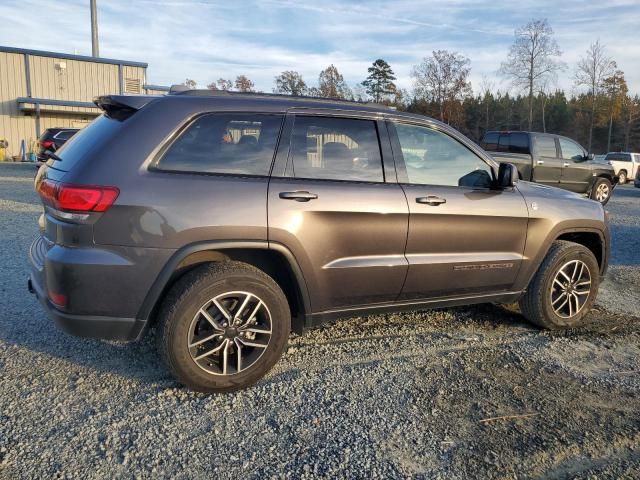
(177, 133)
(401, 169)
(288, 160)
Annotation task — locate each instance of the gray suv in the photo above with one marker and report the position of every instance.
(228, 220)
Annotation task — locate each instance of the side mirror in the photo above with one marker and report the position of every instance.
(507, 175)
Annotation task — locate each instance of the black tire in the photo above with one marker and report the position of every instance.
(184, 301)
(595, 191)
(622, 177)
(535, 304)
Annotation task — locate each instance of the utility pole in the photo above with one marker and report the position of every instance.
(94, 29)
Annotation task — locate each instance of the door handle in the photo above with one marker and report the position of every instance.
(431, 200)
(298, 196)
(540, 162)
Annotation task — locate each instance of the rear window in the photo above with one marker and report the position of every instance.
(64, 134)
(618, 157)
(91, 137)
(230, 143)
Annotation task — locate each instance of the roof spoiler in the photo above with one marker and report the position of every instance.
(121, 107)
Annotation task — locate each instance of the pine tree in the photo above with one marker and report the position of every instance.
(379, 84)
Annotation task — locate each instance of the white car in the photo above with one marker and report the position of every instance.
(625, 165)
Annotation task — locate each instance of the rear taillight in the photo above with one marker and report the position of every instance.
(46, 144)
(77, 198)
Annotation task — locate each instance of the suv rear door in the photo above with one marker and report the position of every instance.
(464, 238)
(547, 164)
(330, 205)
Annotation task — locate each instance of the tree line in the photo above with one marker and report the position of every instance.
(602, 114)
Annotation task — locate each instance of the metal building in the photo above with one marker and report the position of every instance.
(40, 90)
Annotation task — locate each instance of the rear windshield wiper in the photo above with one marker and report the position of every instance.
(50, 154)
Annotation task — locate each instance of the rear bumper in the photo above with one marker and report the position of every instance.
(103, 287)
(90, 326)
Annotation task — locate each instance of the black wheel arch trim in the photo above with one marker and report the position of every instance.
(162, 280)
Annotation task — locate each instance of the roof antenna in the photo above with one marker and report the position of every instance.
(94, 29)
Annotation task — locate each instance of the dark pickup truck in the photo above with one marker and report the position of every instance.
(553, 160)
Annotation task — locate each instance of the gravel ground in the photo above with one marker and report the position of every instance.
(381, 396)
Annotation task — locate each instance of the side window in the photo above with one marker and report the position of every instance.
(519, 143)
(490, 141)
(545, 146)
(240, 144)
(434, 158)
(571, 150)
(336, 149)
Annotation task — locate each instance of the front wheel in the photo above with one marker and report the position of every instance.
(601, 191)
(564, 288)
(223, 326)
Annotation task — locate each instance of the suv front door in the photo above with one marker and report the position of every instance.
(464, 238)
(330, 206)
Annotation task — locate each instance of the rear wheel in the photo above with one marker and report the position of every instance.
(601, 191)
(622, 177)
(563, 290)
(223, 326)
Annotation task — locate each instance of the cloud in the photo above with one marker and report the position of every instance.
(208, 39)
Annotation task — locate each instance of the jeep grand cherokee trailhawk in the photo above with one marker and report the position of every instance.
(228, 220)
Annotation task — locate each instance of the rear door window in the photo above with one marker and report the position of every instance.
(546, 146)
(336, 149)
(226, 143)
(519, 143)
(490, 141)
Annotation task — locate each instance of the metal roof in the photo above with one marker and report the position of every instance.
(68, 56)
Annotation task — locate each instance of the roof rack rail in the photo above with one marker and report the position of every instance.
(184, 90)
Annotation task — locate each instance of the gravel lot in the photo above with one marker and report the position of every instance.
(381, 396)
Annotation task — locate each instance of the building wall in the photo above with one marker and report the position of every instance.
(54, 78)
(14, 125)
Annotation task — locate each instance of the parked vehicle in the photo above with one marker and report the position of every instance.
(625, 165)
(52, 139)
(553, 160)
(226, 220)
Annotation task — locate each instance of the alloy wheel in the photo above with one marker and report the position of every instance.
(570, 288)
(229, 333)
(602, 192)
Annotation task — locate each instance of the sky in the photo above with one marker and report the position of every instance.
(208, 39)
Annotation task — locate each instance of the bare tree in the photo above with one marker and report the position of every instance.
(220, 84)
(591, 72)
(290, 83)
(443, 78)
(331, 84)
(531, 59)
(243, 84)
(189, 83)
